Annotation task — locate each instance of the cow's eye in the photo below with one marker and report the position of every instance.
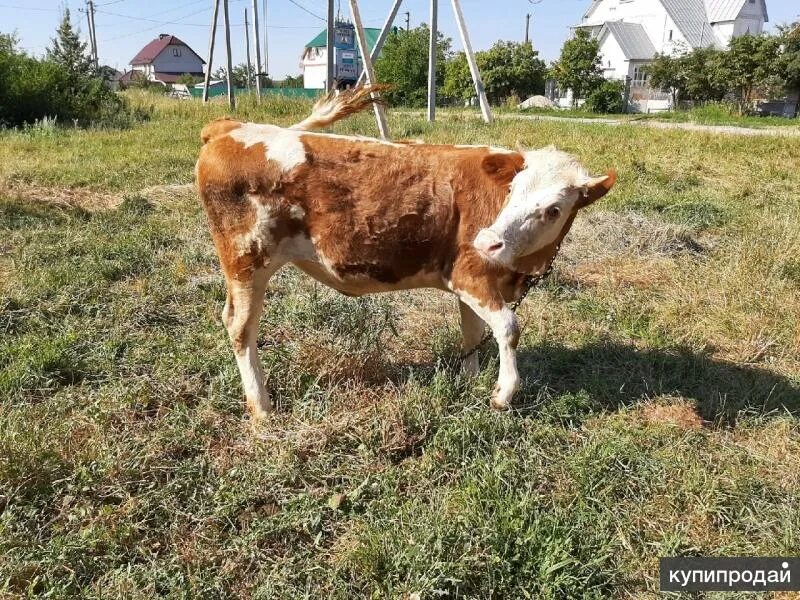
(553, 212)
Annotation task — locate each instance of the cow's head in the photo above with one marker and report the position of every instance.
(548, 187)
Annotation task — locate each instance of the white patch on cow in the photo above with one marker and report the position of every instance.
(297, 247)
(354, 138)
(283, 146)
(493, 149)
(503, 324)
(252, 376)
(259, 235)
(296, 212)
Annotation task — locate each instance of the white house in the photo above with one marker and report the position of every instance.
(165, 59)
(631, 32)
(347, 58)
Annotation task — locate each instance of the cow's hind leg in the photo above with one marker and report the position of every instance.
(243, 307)
(472, 328)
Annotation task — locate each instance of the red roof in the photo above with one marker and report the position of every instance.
(148, 54)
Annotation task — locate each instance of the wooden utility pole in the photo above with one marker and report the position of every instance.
(226, 14)
(387, 26)
(92, 32)
(247, 48)
(408, 21)
(329, 49)
(256, 38)
(432, 51)
(473, 66)
(380, 116)
(527, 28)
(211, 50)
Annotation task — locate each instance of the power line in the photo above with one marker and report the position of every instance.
(301, 7)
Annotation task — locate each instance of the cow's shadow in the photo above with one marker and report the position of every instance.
(608, 375)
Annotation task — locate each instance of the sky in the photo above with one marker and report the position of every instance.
(125, 26)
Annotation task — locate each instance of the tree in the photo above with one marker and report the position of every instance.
(579, 66)
(68, 51)
(188, 79)
(238, 75)
(749, 65)
(705, 77)
(789, 55)
(667, 74)
(403, 63)
(507, 68)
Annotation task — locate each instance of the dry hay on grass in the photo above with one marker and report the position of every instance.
(62, 197)
(91, 200)
(624, 249)
(630, 235)
(671, 412)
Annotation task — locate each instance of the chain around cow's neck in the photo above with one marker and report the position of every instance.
(531, 281)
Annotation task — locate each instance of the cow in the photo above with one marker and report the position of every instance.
(363, 216)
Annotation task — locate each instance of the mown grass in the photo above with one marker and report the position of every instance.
(712, 114)
(658, 414)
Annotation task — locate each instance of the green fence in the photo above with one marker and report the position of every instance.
(221, 90)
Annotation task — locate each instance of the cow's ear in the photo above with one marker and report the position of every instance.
(595, 188)
(503, 167)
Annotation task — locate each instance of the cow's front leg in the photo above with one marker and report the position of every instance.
(503, 323)
(472, 328)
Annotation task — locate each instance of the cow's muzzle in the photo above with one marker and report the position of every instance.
(489, 244)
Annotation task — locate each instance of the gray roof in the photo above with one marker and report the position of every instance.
(691, 19)
(728, 10)
(632, 38)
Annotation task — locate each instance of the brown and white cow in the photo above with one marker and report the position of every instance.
(364, 216)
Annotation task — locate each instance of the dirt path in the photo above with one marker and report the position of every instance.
(724, 129)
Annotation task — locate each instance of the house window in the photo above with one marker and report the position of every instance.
(639, 76)
(670, 35)
(176, 52)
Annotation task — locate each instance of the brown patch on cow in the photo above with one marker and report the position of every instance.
(503, 167)
(230, 178)
(681, 414)
(390, 213)
(218, 127)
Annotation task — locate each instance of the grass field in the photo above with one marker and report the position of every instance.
(713, 114)
(658, 415)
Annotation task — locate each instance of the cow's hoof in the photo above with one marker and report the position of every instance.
(259, 410)
(498, 401)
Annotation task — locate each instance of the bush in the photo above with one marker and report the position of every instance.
(64, 86)
(606, 98)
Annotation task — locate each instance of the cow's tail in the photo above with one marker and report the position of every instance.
(338, 105)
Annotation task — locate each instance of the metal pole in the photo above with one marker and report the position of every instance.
(432, 47)
(473, 66)
(408, 22)
(329, 50)
(211, 50)
(380, 116)
(387, 26)
(231, 99)
(266, 42)
(257, 39)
